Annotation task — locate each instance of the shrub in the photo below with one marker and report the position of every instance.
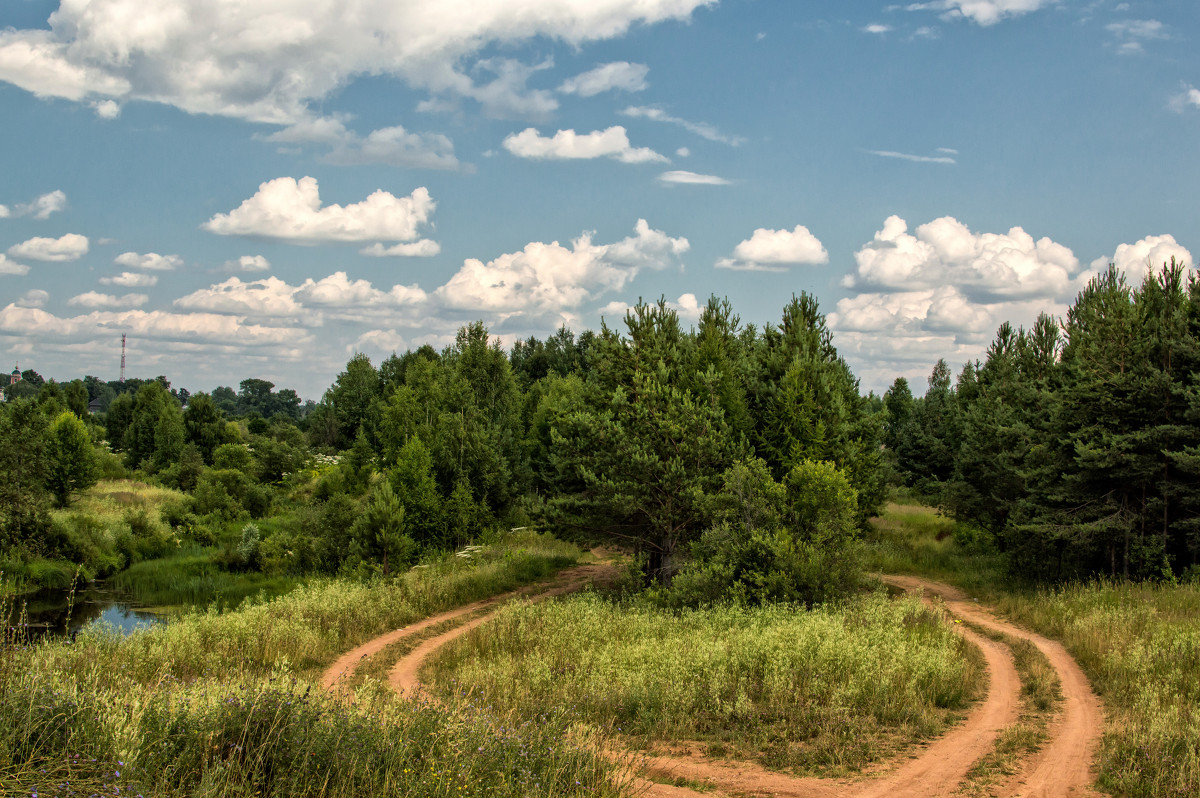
(772, 542)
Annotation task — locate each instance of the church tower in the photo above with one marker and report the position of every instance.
(16, 375)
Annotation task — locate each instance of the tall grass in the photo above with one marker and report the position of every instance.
(1139, 645)
(272, 737)
(210, 704)
(309, 627)
(913, 538)
(192, 578)
(831, 688)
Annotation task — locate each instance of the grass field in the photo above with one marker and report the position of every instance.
(1139, 644)
(218, 703)
(822, 691)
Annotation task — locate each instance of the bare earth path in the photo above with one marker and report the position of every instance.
(341, 670)
(1064, 765)
(1061, 768)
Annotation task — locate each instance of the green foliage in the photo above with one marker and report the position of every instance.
(247, 549)
(204, 425)
(155, 435)
(380, 530)
(72, 460)
(647, 454)
(24, 467)
(413, 481)
(773, 542)
(232, 455)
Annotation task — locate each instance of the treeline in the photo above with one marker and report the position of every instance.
(635, 436)
(730, 458)
(1075, 445)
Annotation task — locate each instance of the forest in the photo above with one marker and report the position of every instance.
(1074, 445)
(656, 438)
(1073, 449)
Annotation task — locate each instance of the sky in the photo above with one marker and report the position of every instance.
(262, 188)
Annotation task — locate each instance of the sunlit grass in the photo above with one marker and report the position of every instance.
(825, 690)
(218, 703)
(913, 538)
(1139, 645)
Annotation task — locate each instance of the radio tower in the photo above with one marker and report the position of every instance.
(122, 357)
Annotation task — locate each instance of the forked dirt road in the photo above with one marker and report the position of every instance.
(1063, 767)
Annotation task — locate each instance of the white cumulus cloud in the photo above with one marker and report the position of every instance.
(615, 76)
(33, 298)
(288, 210)
(130, 280)
(69, 247)
(981, 12)
(150, 261)
(425, 248)
(274, 61)
(569, 145)
(1188, 98)
(988, 266)
(12, 267)
(248, 263)
(1136, 259)
(269, 297)
(93, 299)
(156, 325)
(773, 250)
(549, 280)
(273, 298)
(686, 178)
(40, 208)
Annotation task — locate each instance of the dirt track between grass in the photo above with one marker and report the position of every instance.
(1063, 766)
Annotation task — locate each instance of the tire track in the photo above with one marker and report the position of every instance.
(1063, 767)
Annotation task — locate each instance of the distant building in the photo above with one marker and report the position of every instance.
(16, 375)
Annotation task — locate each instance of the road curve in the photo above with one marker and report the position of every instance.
(1063, 767)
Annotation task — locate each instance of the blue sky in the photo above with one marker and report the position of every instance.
(264, 187)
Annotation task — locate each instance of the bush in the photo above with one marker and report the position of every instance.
(773, 542)
(247, 550)
(87, 541)
(232, 455)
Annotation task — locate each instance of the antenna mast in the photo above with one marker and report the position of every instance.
(122, 357)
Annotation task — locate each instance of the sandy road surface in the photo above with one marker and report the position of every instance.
(1063, 767)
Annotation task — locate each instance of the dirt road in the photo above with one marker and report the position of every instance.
(1063, 767)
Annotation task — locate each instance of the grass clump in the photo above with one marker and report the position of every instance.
(311, 626)
(273, 737)
(217, 703)
(829, 690)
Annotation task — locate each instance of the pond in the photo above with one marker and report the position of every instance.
(51, 612)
